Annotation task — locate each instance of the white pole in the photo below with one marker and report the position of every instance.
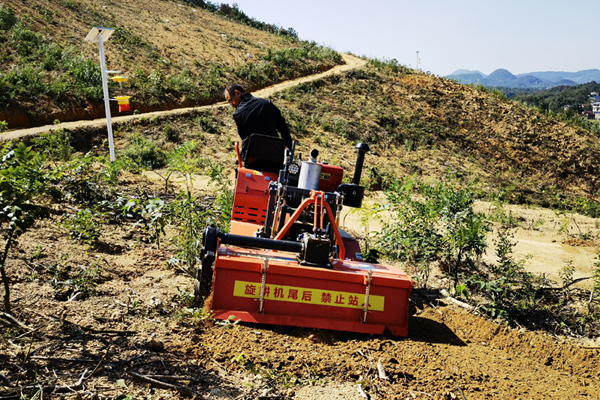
(417, 61)
(106, 99)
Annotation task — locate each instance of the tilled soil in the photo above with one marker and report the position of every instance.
(447, 352)
(138, 324)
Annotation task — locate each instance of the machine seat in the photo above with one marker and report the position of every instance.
(264, 153)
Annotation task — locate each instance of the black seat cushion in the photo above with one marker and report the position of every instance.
(263, 153)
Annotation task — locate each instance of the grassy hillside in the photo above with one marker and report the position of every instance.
(432, 126)
(173, 53)
(182, 54)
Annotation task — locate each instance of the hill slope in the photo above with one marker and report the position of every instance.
(174, 55)
(430, 126)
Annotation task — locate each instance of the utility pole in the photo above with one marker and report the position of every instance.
(417, 62)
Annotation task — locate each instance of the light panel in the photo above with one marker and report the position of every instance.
(97, 31)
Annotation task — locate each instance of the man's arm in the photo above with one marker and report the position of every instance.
(240, 127)
(283, 129)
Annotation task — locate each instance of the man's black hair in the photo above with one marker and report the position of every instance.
(232, 87)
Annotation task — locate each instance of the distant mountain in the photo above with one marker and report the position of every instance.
(529, 81)
(579, 77)
(502, 74)
(568, 82)
(504, 78)
(466, 72)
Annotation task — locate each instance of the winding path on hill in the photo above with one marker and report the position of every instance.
(352, 62)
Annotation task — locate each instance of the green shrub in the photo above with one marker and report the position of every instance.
(88, 78)
(506, 265)
(190, 218)
(342, 128)
(3, 126)
(566, 276)
(22, 181)
(86, 280)
(27, 41)
(55, 145)
(288, 58)
(597, 278)
(112, 170)
(224, 201)
(433, 223)
(79, 180)
(157, 81)
(205, 123)
(149, 215)
(388, 66)
(26, 80)
(7, 18)
(171, 134)
(83, 226)
(184, 82)
(144, 153)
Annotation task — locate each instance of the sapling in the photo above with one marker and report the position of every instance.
(22, 181)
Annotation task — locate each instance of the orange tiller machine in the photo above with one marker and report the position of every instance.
(285, 260)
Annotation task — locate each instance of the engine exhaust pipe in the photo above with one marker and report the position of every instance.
(360, 159)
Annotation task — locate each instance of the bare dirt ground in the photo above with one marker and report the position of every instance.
(139, 324)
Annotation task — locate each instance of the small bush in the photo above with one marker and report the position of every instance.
(55, 145)
(144, 153)
(171, 134)
(433, 223)
(190, 219)
(157, 81)
(205, 123)
(597, 278)
(7, 18)
(88, 78)
(111, 172)
(83, 227)
(87, 279)
(388, 66)
(224, 201)
(566, 276)
(506, 264)
(184, 82)
(84, 281)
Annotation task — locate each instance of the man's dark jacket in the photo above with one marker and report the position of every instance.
(256, 115)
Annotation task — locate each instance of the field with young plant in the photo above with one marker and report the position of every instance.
(466, 192)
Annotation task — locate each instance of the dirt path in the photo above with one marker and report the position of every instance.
(352, 62)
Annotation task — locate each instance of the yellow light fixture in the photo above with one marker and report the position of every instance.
(123, 103)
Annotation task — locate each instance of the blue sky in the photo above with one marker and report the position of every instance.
(521, 36)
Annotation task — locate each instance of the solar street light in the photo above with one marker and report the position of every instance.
(100, 35)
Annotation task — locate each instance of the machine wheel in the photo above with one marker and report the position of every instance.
(204, 275)
(206, 278)
(197, 297)
(203, 285)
